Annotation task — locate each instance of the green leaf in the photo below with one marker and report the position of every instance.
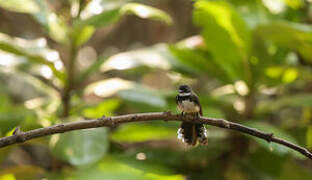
(156, 56)
(142, 132)
(82, 147)
(108, 87)
(106, 108)
(226, 36)
(21, 6)
(82, 35)
(274, 147)
(146, 12)
(10, 48)
(297, 37)
(103, 19)
(57, 29)
(144, 96)
(83, 29)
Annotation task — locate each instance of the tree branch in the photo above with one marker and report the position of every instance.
(20, 136)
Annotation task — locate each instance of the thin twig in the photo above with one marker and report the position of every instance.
(166, 116)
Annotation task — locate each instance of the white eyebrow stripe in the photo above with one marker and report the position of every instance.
(184, 94)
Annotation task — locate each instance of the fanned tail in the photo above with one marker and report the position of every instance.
(189, 133)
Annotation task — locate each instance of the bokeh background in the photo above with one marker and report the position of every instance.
(250, 62)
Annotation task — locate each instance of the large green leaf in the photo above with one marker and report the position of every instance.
(297, 37)
(226, 37)
(82, 147)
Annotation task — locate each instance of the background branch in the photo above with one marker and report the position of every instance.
(20, 136)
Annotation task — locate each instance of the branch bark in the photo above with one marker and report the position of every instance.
(21, 137)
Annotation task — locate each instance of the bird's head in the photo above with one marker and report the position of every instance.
(185, 89)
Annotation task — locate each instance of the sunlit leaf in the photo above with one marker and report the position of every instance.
(21, 6)
(109, 87)
(226, 37)
(82, 147)
(82, 35)
(19, 51)
(103, 19)
(156, 56)
(7, 177)
(57, 29)
(84, 28)
(146, 12)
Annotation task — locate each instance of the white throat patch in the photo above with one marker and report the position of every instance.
(185, 94)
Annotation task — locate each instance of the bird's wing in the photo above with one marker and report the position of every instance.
(194, 98)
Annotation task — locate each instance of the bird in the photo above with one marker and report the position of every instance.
(188, 103)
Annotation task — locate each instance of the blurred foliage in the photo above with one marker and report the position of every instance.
(249, 61)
